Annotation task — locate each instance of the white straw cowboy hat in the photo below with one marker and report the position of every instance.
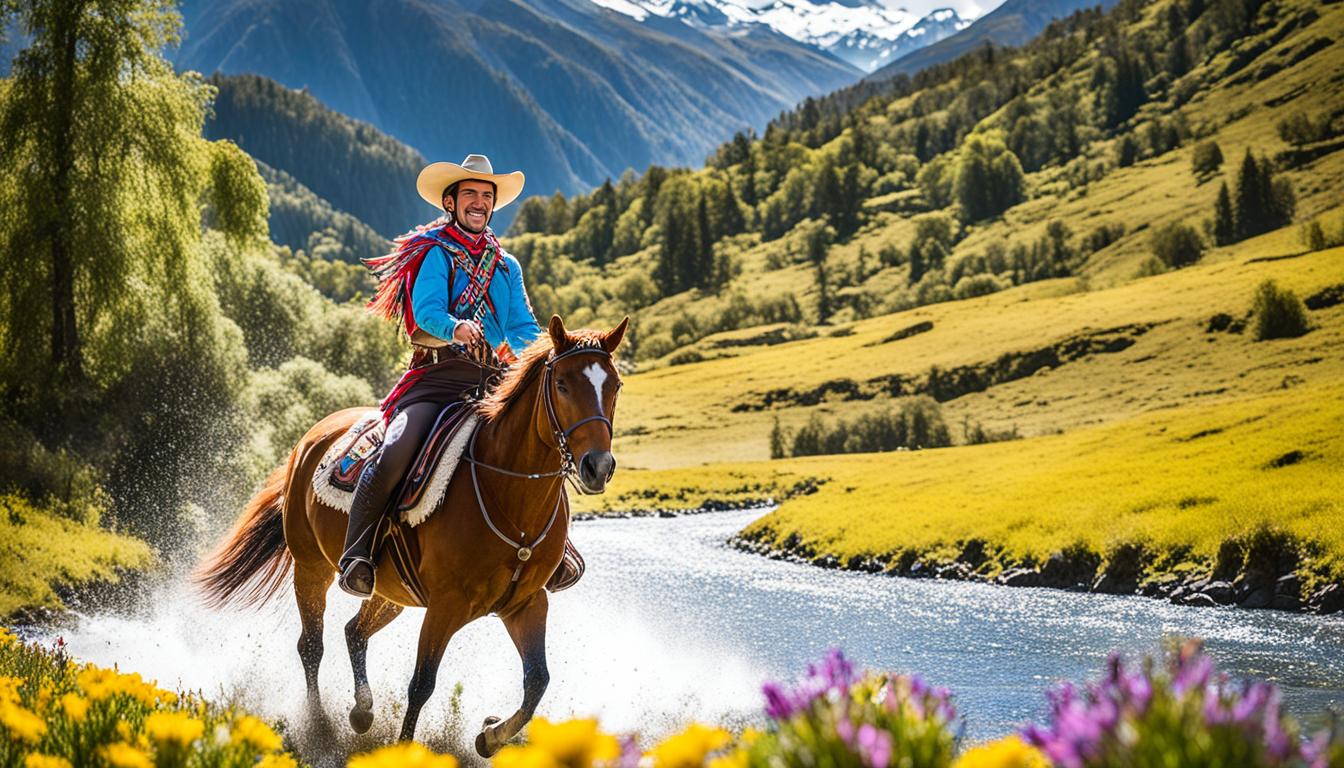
(436, 177)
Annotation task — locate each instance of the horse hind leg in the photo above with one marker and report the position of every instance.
(527, 628)
(374, 614)
(310, 592)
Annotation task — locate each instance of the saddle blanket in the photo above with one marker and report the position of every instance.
(336, 475)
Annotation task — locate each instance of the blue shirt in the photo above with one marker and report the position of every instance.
(432, 301)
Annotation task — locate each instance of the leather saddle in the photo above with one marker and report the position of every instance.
(368, 442)
(394, 537)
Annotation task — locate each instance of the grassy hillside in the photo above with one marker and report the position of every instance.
(1170, 493)
(42, 554)
(599, 256)
(1108, 354)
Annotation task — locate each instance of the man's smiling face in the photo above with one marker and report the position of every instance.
(472, 204)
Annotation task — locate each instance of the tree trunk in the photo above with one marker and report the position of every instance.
(65, 347)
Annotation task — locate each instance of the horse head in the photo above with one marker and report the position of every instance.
(579, 391)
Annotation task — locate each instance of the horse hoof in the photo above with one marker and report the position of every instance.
(483, 746)
(361, 719)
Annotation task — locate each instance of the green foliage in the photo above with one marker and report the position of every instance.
(917, 423)
(1177, 244)
(1126, 151)
(103, 169)
(60, 480)
(46, 550)
(289, 399)
(1278, 313)
(935, 180)
(989, 178)
(1260, 202)
(1224, 220)
(305, 222)
(1298, 128)
(1206, 158)
(359, 169)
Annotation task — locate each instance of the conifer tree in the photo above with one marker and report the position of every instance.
(1224, 221)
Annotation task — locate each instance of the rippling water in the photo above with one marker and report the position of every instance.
(669, 624)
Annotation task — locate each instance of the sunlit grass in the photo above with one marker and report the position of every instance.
(1178, 482)
(41, 552)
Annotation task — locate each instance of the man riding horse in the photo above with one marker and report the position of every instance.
(461, 299)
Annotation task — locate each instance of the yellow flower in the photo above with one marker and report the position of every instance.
(253, 732)
(35, 760)
(178, 728)
(7, 637)
(689, 748)
(122, 755)
(278, 761)
(738, 758)
(1008, 752)
(524, 757)
(21, 724)
(75, 707)
(576, 743)
(9, 688)
(408, 754)
(101, 683)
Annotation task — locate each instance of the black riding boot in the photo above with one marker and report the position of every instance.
(365, 513)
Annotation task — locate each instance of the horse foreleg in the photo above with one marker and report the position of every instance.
(374, 614)
(440, 624)
(527, 627)
(310, 592)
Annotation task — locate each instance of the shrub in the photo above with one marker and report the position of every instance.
(1206, 159)
(989, 178)
(1150, 266)
(1177, 245)
(1298, 129)
(978, 285)
(918, 423)
(1278, 312)
(1126, 151)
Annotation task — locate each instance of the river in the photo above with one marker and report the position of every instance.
(670, 625)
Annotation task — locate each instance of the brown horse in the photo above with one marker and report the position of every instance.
(491, 545)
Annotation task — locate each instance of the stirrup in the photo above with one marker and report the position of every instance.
(347, 571)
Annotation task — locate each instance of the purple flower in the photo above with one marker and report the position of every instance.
(874, 746)
(779, 705)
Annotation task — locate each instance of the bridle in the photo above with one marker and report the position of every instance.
(567, 469)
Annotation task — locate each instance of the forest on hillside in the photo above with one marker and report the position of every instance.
(160, 354)
(949, 151)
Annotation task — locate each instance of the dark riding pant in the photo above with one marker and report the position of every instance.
(417, 409)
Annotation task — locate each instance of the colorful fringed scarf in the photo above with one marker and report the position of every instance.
(395, 272)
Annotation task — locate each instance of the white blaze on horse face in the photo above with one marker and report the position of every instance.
(598, 376)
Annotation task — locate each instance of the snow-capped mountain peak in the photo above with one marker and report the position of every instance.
(866, 33)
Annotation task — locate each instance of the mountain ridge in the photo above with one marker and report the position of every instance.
(561, 90)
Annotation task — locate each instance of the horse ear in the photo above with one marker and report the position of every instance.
(612, 339)
(559, 336)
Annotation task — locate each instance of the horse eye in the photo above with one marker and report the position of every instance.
(561, 386)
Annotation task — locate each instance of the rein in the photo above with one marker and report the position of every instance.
(567, 469)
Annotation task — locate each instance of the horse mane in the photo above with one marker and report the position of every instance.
(530, 363)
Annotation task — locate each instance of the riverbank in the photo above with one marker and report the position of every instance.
(46, 558)
(1233, 503)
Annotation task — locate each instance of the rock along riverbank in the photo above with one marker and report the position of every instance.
(1264, 570)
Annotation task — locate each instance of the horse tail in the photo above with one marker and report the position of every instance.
(251, 564)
